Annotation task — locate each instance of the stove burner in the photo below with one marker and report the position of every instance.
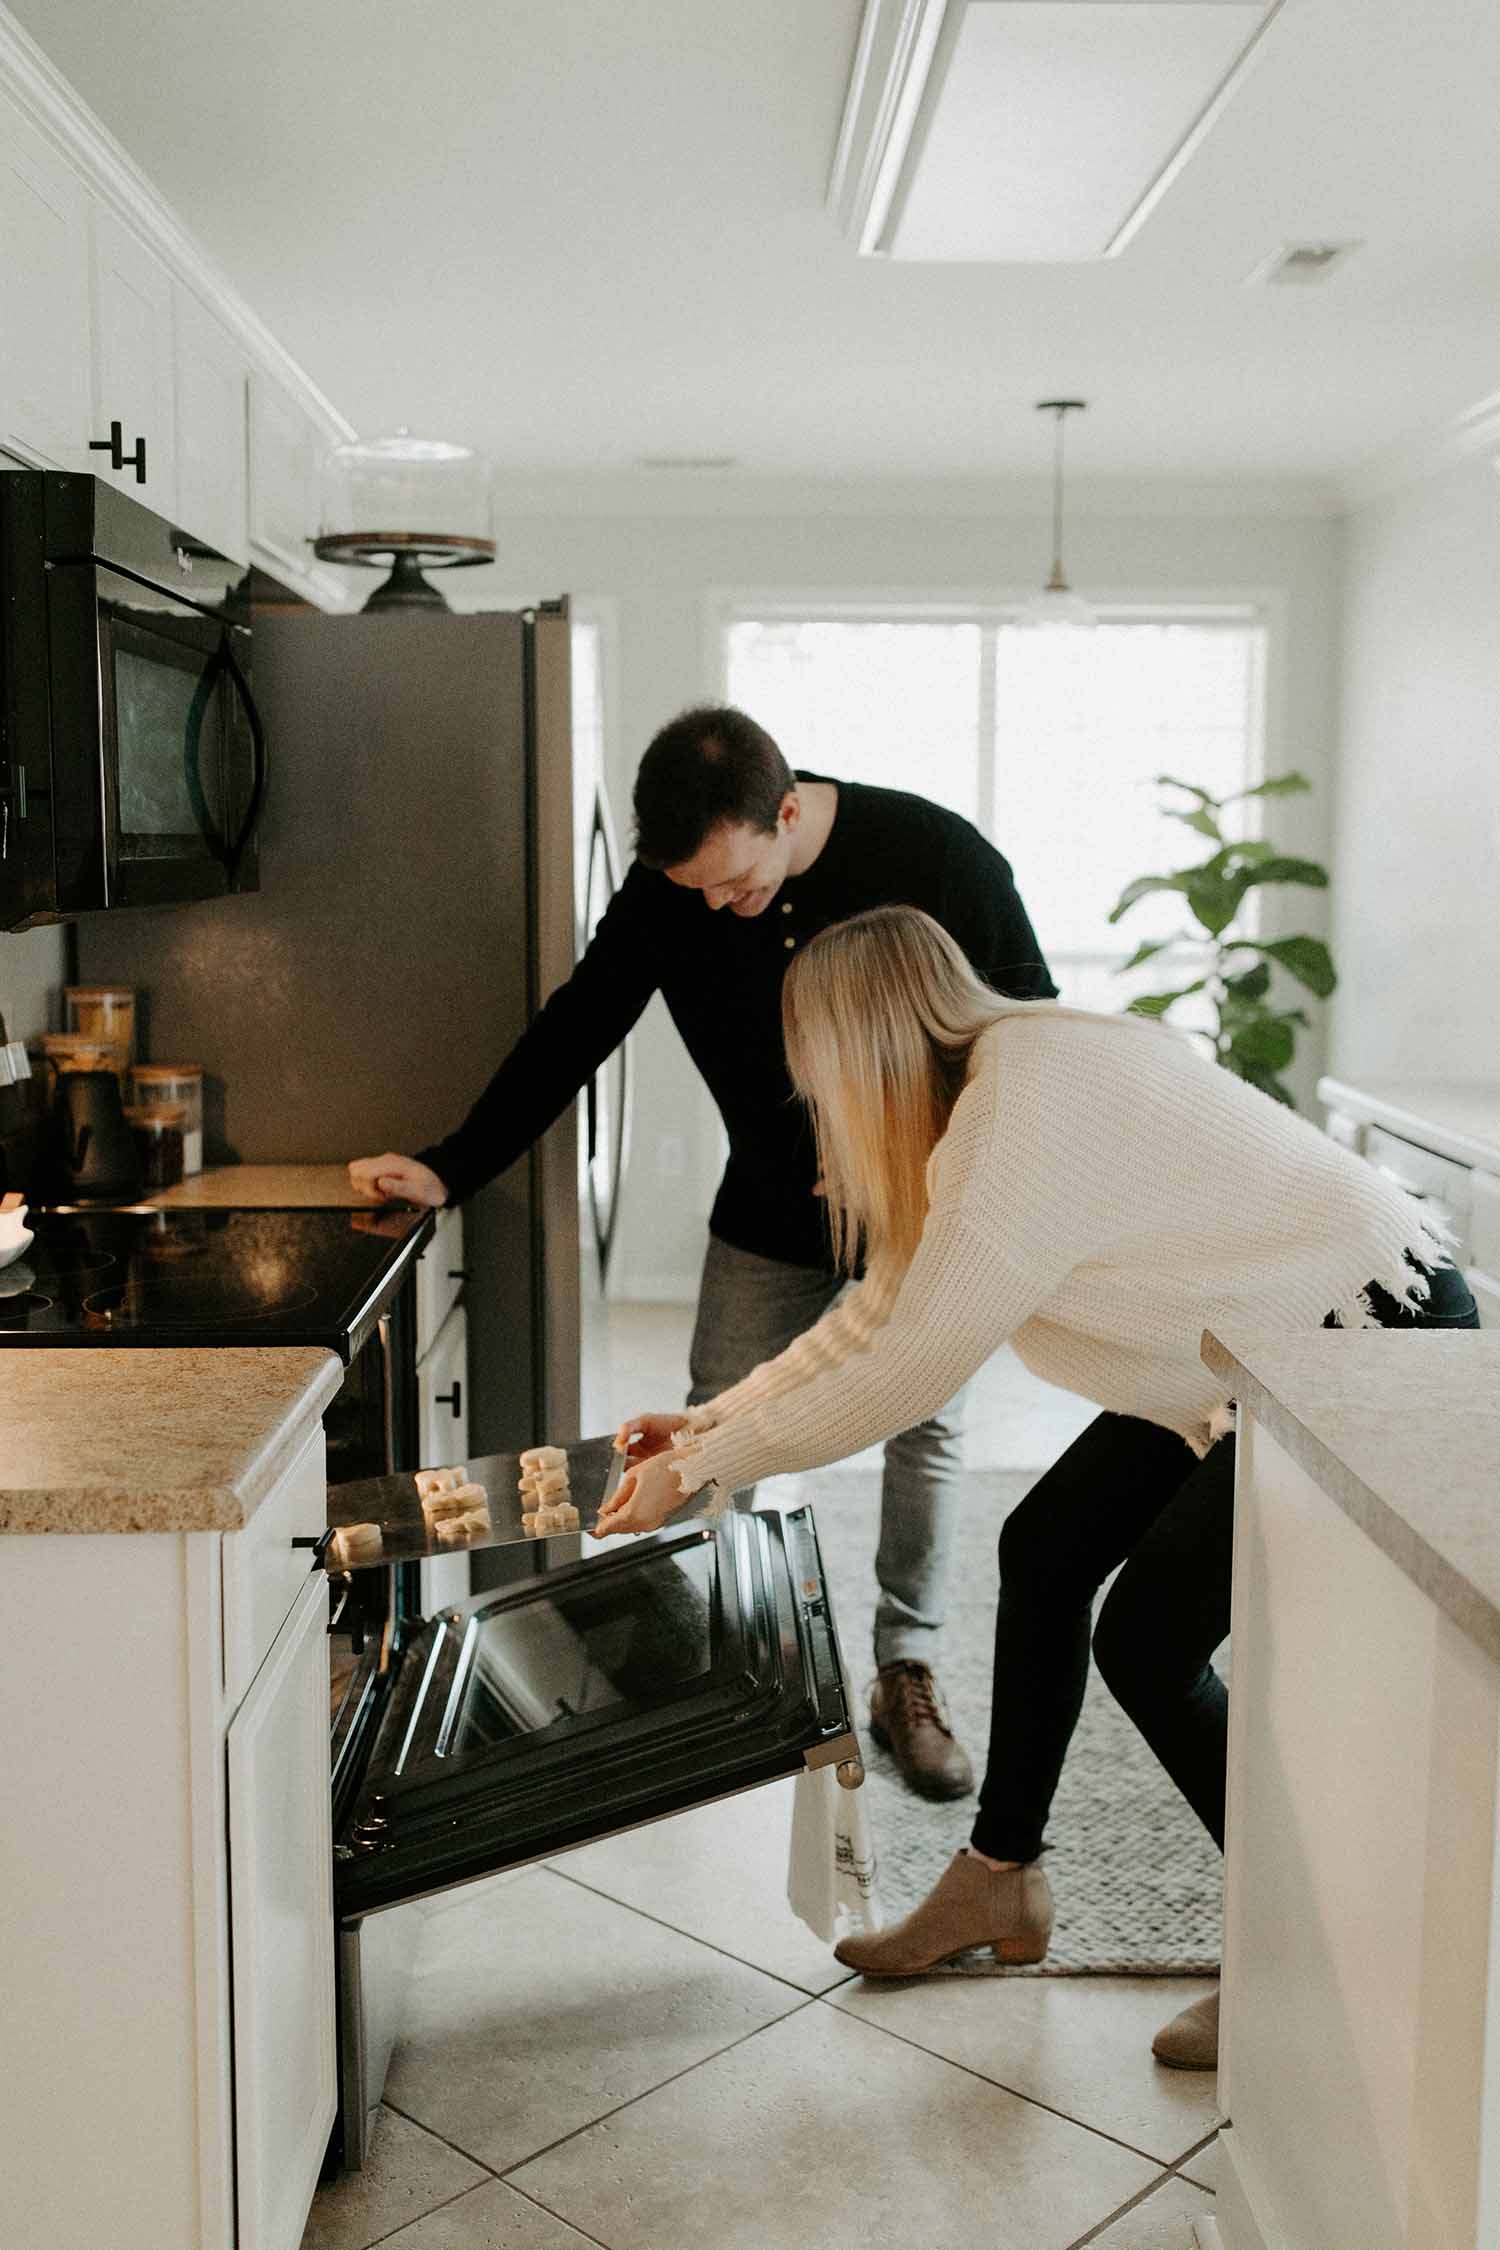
(18, 1310)
(162, 1301)
(70, 1258)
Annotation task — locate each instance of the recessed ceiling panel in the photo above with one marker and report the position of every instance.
(1048, 125)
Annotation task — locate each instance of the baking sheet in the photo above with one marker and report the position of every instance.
(594, 1469)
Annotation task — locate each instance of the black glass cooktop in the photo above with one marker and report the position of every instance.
(207, 1277)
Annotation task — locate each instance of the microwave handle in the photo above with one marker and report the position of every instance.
(259, 757)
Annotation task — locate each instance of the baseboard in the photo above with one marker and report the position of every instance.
(1207, 2236)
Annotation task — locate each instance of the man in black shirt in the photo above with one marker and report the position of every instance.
(722, 823)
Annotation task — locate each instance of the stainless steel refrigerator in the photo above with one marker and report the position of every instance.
(433, 849)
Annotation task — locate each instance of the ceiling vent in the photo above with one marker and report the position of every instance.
(1029, 131)
(1298, 264)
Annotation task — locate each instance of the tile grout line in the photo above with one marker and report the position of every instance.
(422, 2127)
(1112, 2218)
(644, 2095)
(707, 1943)
(1163, 2163)
(538, 2205)
(446, 2205)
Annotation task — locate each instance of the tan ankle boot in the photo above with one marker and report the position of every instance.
(1191, 2040)
(1010, 1911)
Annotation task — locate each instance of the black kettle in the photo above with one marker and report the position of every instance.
(94, 1153)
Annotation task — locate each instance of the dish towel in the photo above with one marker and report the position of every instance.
(831, 1873)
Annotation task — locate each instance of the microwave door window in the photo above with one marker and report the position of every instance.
(168, 776)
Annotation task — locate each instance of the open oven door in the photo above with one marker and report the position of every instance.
(596, 1693)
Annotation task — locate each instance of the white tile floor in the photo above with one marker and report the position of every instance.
(638, 2046)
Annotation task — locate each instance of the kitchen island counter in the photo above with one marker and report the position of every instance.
(153, 1440)
(1360, 2051)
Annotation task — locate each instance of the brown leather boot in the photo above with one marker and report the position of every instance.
(909, 1718)
(1191, 2040)
(1010, 1911)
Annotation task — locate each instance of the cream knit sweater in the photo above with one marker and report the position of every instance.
(1102, 1195)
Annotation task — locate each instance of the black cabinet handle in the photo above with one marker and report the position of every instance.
(458, 1273)
(319, 1546)
(453, 1398)
(114, 446)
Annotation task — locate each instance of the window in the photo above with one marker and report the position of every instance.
(1049, 741)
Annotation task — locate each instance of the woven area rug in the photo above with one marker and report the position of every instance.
(1137, 1881)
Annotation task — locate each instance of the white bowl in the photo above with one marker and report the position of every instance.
(15, 1236)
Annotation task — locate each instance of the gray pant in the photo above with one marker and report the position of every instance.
(751, 1308)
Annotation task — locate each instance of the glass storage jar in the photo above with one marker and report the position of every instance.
(161, 1085)
(105, 1012)
(158, 1135)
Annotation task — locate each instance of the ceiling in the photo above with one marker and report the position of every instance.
(581, 232)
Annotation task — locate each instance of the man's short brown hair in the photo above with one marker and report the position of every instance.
(707, 766)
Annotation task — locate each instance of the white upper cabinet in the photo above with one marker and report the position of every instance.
(286, 450)
(211, 374)
(44, 299)
(133, 385)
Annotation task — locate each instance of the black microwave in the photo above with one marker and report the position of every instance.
(132, 757)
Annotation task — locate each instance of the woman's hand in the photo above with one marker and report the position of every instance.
(643, 1435)
(644, 1498)
(397, 1179)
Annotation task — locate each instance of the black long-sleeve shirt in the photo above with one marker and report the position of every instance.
(720, 975)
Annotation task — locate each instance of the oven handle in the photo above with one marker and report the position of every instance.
(387, 1392)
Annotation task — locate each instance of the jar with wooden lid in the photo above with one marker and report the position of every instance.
(105, 1012)
(64, 1051)
(159, 1085)
(159, 1138)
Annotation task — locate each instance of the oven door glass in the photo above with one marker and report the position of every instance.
(594, 1696)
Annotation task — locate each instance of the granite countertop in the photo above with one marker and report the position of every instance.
(1402, 1431)
(188, 1440)
(269, 1187)
(1459, 1117)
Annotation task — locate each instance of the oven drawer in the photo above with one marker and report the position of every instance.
(263, 1572)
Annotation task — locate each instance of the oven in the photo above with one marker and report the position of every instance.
(599, 1685)
(133, 763)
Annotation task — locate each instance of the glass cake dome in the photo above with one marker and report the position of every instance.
(412, 503)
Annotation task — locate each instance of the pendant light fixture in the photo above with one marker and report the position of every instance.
(1057, 604)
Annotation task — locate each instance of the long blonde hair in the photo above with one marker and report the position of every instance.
(880, 1015)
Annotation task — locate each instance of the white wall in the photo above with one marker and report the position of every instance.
(658, 572)
(31, 981)
(1417, 795)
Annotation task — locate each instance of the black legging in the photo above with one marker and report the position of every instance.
(1126, 1492)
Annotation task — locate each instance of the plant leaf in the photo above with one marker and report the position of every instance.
(1267, 1043)
(1170, 781)
(1144, 952)
(1250, 984)
(1250, 849)
(1157, 1003)
(1305, 958)
(1214, 897)
(1144, 885)
(1278, 785)
(1198, 818)
(1277, 870)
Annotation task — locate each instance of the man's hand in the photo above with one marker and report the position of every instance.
(644, 1498)
(397, 1179)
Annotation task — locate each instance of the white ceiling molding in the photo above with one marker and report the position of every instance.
(1475, 431)
(51, 103)
(1029, 131)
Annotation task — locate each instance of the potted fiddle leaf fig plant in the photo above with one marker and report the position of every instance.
(1253, 1035)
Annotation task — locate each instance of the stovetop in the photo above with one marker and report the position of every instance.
(137, 1276)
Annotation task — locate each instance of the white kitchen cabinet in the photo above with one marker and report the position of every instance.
(281, 1872)
(210, 377)
(132, 363)
(44, 299)
(285, 450)
(440, 1278)
(166, 1865)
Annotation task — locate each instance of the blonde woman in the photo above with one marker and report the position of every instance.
(1094, 1191)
